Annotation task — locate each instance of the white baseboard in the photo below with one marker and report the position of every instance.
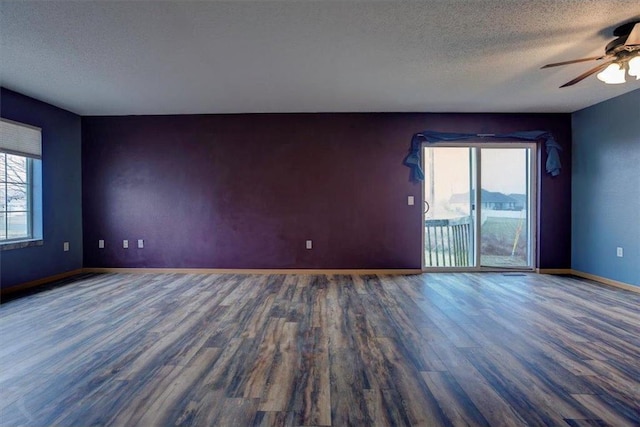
(606, 281)
(589, 276)
(33, 283)
(554, 271)
(38, 282)
(389, 271)
(263, 271)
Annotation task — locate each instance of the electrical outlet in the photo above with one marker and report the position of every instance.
(65, 246)
(619, 252)
(140, 243)
(309, 244)
(125, 244)
(101, 244)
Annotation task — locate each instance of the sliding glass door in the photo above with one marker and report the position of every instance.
(468, 229)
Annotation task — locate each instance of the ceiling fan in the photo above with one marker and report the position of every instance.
(623, 53)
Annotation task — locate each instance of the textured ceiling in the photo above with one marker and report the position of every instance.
(177, 57)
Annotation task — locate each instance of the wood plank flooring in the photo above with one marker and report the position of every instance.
(314, 350)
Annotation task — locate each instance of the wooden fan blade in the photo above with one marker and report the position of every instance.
(573, 61)
(587, 74)
(634, 36)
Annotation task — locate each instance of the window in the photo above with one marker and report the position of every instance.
(15, 197)
(20, 172)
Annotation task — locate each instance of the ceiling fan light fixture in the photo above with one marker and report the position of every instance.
(613, 74)
(620, 55)
(634, 67)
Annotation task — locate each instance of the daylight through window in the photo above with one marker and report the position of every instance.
(15, 197)
(20, 151)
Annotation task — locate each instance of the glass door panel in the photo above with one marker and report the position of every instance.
(448, 224)
(504, 207)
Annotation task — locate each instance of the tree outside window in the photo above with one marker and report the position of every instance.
(15, 197)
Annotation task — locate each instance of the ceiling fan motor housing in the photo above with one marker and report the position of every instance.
(627, 41)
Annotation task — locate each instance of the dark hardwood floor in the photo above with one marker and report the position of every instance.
(296, 350)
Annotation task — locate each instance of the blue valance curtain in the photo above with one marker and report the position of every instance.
(414, 158)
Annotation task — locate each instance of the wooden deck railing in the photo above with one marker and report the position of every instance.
(447, 242)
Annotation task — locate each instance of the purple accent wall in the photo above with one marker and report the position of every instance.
(246, 191)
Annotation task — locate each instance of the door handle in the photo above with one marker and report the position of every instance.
(427, 207)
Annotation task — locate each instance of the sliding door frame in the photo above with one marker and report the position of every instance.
(532, 183)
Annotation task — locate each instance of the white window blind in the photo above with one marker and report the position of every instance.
(18, 138)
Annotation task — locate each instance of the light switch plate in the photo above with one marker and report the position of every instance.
(125, 244)
(309, 244)
(411, 200)
(140, 243)
(65, 246)
(101, 244)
